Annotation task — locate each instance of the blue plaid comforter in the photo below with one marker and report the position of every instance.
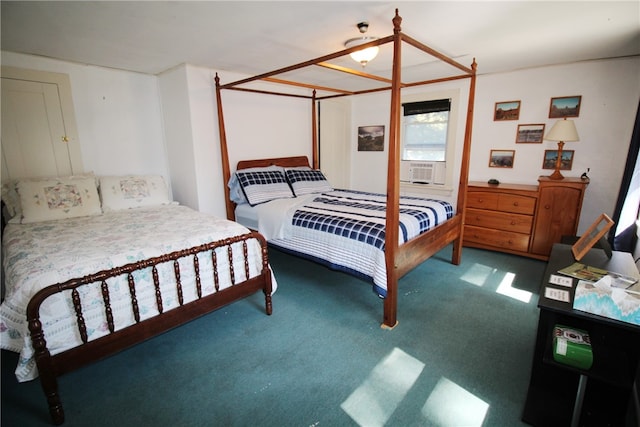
(345, 230)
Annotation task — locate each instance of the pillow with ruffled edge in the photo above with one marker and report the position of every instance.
(307, 181)
(263, 186)
(235, 189)
(12, 209)
(133, 191)
(57, 198)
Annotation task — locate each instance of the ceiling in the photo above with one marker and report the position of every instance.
(254, 37)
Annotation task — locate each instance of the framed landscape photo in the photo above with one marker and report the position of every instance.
(371, 138)
(532, 133)
(565, 106)
(550, 156)
(594, 233)
(501, 158)
(507, 110)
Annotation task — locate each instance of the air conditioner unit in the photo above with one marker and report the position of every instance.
(422, 172)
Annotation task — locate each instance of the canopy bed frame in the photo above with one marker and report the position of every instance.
(399, 259)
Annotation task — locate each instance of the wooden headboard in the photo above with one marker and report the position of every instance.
(287, 162)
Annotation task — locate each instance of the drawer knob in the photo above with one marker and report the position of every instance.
(547, 206)
(515, 204)
(513, 223)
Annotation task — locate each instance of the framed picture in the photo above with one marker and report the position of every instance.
(566, 106)
(530, 133)
(594, 233)
(501, 158)
(507, 110)
(550, 157)
(371, 138)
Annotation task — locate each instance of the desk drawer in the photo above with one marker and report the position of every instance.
(496, 238)
(499, 220)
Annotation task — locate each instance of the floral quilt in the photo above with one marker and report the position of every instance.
(44, 253)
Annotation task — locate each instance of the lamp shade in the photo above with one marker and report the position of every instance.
(563, 130)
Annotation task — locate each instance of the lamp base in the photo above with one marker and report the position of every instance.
(556, 175)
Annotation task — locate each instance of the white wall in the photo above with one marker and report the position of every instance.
(117, 114)
(121, 129)
(257, 126)
(369, 168)
(610, 92)
(176, 113)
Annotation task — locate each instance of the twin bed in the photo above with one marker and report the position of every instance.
(119, 263)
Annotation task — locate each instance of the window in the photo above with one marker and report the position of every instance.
(425, 128)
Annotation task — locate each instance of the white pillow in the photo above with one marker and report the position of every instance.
(58, 198)
(132, 191)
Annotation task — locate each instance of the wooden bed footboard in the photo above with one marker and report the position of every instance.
(52, 366)
(422, 247)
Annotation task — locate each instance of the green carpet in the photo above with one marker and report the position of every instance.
(460, 356)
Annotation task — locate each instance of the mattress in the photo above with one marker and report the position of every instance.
(344, 230)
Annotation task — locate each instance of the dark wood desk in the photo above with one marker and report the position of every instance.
(608, 384)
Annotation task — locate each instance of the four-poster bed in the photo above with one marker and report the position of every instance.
(399, 259)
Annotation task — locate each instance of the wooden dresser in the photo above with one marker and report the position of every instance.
(523, 219)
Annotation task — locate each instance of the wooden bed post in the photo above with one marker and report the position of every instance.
(224, 154)
(314, 130)
(393, 184)
(464, 169)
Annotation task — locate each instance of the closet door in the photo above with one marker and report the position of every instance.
(35, 137)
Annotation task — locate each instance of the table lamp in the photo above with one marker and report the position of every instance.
(562, 131)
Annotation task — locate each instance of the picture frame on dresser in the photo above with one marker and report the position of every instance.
(594, 233)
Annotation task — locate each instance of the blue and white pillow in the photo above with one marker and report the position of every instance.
(263, 186)
(307, 181)
(236, 194)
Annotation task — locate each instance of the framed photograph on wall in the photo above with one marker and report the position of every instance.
(371, 138)
(565, 106)
(532, 133)
(506, 110)
(501, 158)
(550, 157)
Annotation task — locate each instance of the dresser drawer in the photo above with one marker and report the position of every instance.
(516, 204)
(496, 238)
(482, 200)
(499, 220)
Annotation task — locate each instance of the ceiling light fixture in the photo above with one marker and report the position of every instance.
(362, 56)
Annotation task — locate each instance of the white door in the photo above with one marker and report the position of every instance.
(36, 140)
(335, 118)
